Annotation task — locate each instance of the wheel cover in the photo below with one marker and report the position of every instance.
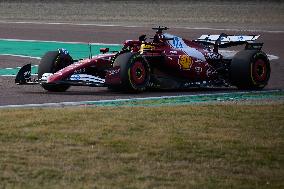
(138, 73)
(259, 71)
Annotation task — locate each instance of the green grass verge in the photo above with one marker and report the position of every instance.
(203, 146)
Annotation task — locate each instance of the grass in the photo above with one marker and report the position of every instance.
(206, 146)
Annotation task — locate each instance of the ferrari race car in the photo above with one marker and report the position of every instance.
(165, 61)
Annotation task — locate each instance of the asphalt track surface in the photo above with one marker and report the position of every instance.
(12, 94)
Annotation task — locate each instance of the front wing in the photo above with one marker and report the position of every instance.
(24, 77)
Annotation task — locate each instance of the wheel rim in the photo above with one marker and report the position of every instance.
(259, 71)
(138, 73)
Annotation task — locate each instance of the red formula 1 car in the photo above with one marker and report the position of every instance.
(165, 62)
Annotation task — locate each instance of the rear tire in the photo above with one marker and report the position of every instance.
(250, 70)
(52, 62)
(134, 72)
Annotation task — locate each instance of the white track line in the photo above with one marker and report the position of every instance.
(129, 26)
(228, 29)
(21, 56)
(92, 103)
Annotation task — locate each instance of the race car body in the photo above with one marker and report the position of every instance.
(165, 62)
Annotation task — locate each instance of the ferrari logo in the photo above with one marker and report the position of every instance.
(185, 62)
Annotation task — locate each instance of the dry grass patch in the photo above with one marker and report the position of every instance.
(208, 146)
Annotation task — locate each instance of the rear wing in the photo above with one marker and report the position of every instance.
(228, 38)
(224, 41)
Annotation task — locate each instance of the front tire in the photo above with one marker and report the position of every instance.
(134, 72)
(52, 62)
(250, 70)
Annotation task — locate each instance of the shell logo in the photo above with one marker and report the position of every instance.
(185, 62)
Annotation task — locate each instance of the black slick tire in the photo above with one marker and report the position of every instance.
(250, 70)
(52, 62)
(134, 72)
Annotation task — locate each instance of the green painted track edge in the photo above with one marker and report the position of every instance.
(274, 95)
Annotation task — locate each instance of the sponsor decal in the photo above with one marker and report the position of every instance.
(114, 71)
(154, 85)
(76, 77)
(185, 62)
(177, 43)
(146, 47)
(240, 38)
(87, 78)
(213, 56)
(199, 61)
(113, 76)
(210, 71)
(79, 71)
(173, 52)
(27, 73)
(198, 69)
